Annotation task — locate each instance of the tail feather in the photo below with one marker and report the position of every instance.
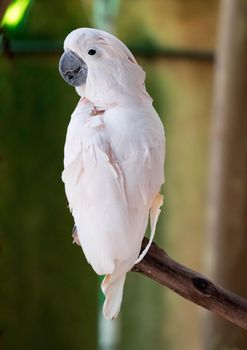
(112, 287)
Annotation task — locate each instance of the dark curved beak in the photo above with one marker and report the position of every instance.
(73, 69)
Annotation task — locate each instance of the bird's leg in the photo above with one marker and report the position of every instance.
(75, 236)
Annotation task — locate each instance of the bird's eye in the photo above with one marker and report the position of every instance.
(91, 52)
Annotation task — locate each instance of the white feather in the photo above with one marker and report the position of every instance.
(113, 165)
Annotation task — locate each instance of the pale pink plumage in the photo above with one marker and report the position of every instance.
(113, 164)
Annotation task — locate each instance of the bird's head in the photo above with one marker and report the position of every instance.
(101, 67)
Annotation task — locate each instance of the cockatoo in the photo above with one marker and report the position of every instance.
(113, 157)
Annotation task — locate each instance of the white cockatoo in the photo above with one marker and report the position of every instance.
(114, 157)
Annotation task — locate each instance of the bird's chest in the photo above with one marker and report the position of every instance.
(91, 126)
(122, 131)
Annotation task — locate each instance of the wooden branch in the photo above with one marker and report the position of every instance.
(191, 285)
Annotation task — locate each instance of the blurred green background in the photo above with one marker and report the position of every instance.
(48, 293)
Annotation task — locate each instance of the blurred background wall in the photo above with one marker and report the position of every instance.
(48, 293)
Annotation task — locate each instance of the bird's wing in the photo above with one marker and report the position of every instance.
(137, 140)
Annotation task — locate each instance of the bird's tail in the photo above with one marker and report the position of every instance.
(112, 287)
